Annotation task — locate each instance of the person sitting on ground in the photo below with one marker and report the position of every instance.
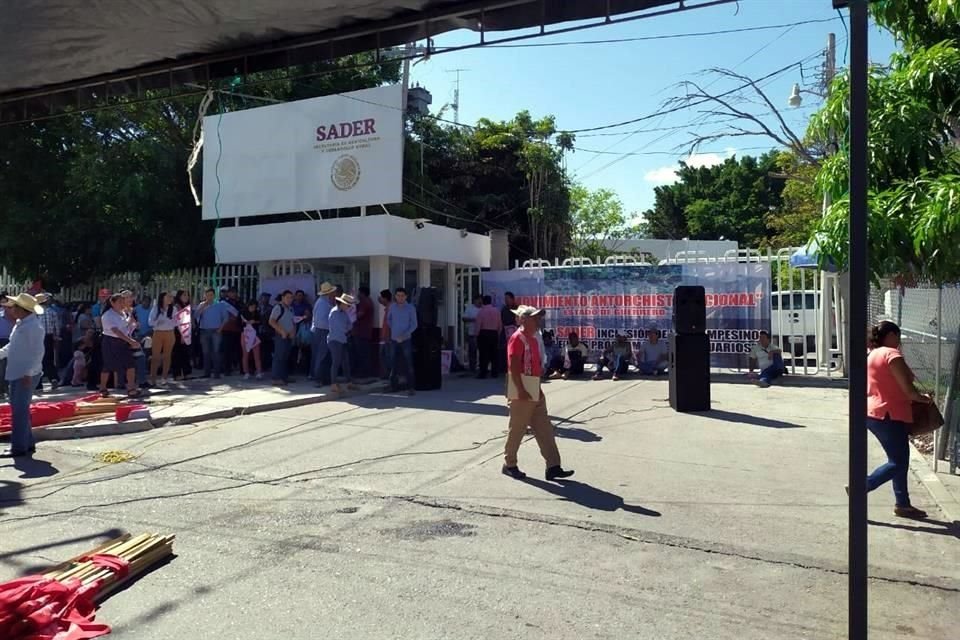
(617, 357)
(653, 355)
(553, 356)
(577, 353)
(768, 359)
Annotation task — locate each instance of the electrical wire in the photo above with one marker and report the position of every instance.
(666, 36)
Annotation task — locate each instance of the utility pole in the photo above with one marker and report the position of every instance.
(456, 94)
(825, 333)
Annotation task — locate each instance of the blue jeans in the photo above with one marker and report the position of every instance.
(339, 359)
(402, 353)
(472, 352)
(386, 359)
(320, 356)
(892, 435)
(281, 358)
(651, 368)
(774, 371)
(211, 342)
(361, 348)
(21, 437)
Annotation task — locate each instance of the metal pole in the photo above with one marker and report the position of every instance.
(825, 334)
(857, 314)
(936, 379)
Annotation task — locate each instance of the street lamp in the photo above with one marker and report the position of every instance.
(795, 99)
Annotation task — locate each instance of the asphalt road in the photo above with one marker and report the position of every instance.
(386, 517)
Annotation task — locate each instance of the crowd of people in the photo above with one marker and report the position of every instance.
(134, 343)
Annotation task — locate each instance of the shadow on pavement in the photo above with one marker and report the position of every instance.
(10, 557)
(790, 380)
(743, 418)
(32, 468)
(939, 527)
(11, 494)
(575, 433)
(590, 497)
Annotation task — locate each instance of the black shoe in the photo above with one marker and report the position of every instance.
(558, 473)
(10, 453)
(513, 472)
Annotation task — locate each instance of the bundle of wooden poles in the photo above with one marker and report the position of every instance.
(140, 552)
(88, 410)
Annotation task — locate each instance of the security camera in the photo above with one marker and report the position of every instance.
(420, 222)
(463, 233)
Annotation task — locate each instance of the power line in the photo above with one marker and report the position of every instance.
(666, 36)
(669, 153)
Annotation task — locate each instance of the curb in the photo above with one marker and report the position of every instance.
(112, 428)
(93, 430)
(943, 498)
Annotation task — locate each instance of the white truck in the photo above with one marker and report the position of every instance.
(793, 324)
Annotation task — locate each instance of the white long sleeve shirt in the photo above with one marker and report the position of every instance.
(160, 321)
(24, 353)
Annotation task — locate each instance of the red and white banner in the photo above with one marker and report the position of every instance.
(185, 325)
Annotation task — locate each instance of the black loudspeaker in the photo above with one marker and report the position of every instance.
(689, 310)
(690, 372)
(427, 307)
(427, 345)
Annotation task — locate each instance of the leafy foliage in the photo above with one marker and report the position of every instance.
(506, 175)
(596, 216)
(731, 200)
(914, 162)
(107, 191)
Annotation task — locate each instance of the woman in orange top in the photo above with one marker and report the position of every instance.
(890, 394)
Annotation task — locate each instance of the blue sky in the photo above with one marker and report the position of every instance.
(588, 85)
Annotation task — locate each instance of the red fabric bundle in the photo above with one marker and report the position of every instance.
(44, 413)
(39, 608)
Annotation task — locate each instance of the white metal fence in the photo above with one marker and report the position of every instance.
(195, 281)
(929, 319)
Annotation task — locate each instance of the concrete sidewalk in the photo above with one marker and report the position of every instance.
(193, 401)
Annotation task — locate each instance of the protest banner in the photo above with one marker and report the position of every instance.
(599, 302)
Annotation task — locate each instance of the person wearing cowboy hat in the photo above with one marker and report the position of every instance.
(337, 339)
(528, 407)
(24, 357)
(320, 356)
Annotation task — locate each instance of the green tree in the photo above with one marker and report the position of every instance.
(914, 224)
(794, 222)
(495, 175)
(596, 217)
(107, 191)
(731, 200)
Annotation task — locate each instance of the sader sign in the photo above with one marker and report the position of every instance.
(599, 302)
(332, 152)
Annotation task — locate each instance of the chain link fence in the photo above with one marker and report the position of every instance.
(929, 319)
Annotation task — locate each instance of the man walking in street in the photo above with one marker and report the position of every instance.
(488, 332)
(24, 358)
(403, 322)
(528, 406)
(320, 355)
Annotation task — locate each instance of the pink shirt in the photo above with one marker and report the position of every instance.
(884, 395)
(488, 319)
